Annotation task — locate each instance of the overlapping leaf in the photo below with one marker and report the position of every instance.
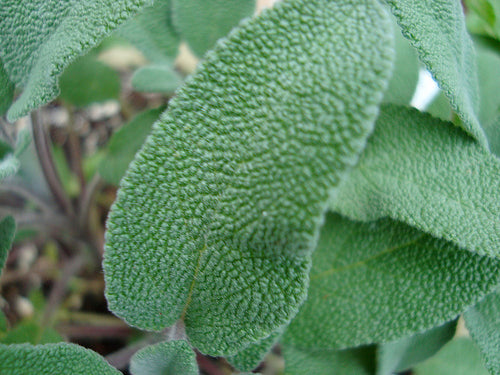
(52, 359)
(429, 174)
(437, 31)
(172, 358)
(156, 78)
(218, 213)
(381, 281)
(40, 38)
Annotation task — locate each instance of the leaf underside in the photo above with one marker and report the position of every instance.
(219, 212)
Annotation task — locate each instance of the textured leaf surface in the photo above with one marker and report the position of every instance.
(394, 279)
(437, 31)
(170, 358)
(156, 78)
(202, 22)
(401, 355)
(6, 90)
(7, 231)
(359, 361)
(52, 359)
(483, 322)
(152, 33)
(42, 37)
(429, 174)
(88, 81)
(458, 357)
(219, 211)
(125, 143)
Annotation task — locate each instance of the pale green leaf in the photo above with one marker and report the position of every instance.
(124, 144)
(202, 22)
(156, 78)
(40, 38)
(483, 17)
(401, 355)
(7, 231)
(219, 212)
(359, 361)
(436, 29)
(152, 33)
(458, 357)
(430, 175)
(494, 135)
(483, 9)
(88, 81)
(52, 359)
(6, 90)
(395, 281)
(166, 358)
(9, 166)
(440, 107)
(483, 322)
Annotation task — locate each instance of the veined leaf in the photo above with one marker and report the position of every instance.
(156, 78)
(437, 31)
(170, 358)
(225, 199)
(152, 33)
(40, 38)
(401, 355)
(52, 359)
(483, 322)
(395, 281)
(6, 90)
(430, 175)
(458, 357)
(202, 22)
(7, 231)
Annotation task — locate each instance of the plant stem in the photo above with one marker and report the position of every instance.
(48, 167)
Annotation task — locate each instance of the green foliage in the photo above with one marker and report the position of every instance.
(229, 190)
(7, 230)
(202, 22)
(156, 78)
(124, 144)
(458, 357)
(88, 81)
(484, 17)
(430, 175)
(483, 322)
(52, 359)
(6, 90)
(9, 166)
(436, 29)
(388, 276)
(30, 332)
(401, 355)
(41, 38)
(171, 358)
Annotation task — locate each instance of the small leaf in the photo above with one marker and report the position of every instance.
(483, 9)
(9, 166)
(7, 231)
(6, 90)
(430, 175)
(436, 29)
(88, 81)
(202, 22)
(458, 357)
(124, 144)
(40, 38)
(395, 281)
(359, 361)
(156, 78)
(401, 355)
(152, 33)
(225, 199)
(483, 322)
(172, 358)
(52, 359)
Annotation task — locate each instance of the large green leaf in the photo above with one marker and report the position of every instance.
(393, 279)
(52, 359)
(436, 28)
(7, 231)
(401, 355)
(6, 90)
(458, 357)
(152, 33)
(483, 322)
(202, 22)
(430, 175)
(40, 38)
(219, 212)
(166, 358)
